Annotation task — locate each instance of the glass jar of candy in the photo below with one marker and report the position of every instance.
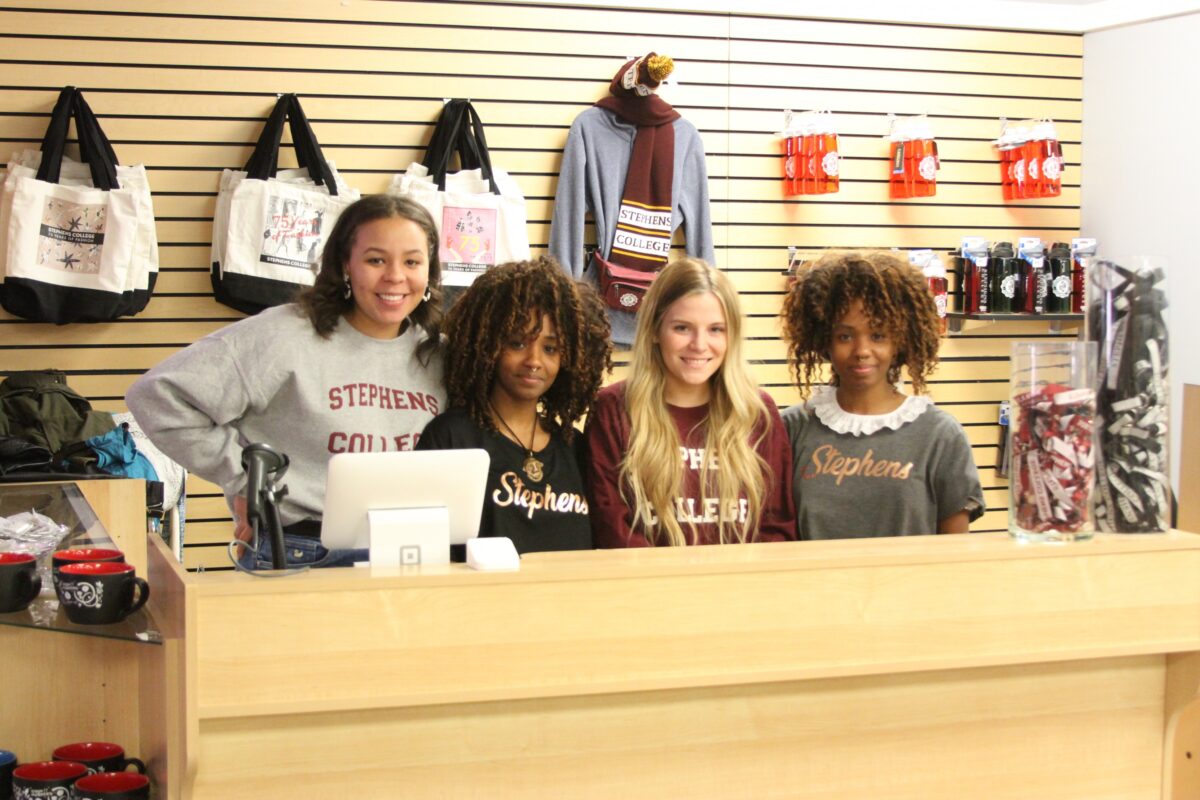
(1051, 446)
(1126, 312)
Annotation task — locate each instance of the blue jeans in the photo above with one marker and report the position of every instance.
(300, 551)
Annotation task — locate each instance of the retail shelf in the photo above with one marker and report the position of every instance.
(1057, 321)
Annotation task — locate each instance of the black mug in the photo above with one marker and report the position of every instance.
(46, 780)
(80, 555)
(113, 786)
(19, 582)
(100, 592)
(99, 757)
(8, 762)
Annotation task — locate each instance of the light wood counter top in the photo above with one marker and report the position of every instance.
(910, 668)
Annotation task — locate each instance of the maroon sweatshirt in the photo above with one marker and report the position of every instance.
(608, 439)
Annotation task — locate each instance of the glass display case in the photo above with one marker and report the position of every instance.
(65, 504)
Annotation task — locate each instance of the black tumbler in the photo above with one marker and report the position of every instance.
(1058, 265)
(1005, 270)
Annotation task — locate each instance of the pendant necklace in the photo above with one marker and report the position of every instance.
(531, 466)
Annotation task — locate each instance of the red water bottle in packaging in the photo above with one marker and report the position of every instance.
(1052, 162)
(927, 168)
(914, 158)
(819, 184)
(788, 164)
(808, 174)
(1019, 180)
(1030, 160)
(1032, 151)
(926, 158)
(788, 144)
(831, 161)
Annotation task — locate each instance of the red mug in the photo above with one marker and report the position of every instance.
(81, 555)
(78, 555)
(113, 786)
(45, 780)
(98, 756)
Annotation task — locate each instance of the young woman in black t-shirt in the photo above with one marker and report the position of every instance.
(528, 349)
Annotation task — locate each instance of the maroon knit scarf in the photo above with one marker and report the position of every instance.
(643, 237)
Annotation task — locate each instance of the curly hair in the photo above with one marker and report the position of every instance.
(506, 302)
(895, 298)
(325, 302)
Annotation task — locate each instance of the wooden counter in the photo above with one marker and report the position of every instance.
(921, 667)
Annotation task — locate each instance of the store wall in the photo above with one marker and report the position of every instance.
(1140, 196)
(183, 88)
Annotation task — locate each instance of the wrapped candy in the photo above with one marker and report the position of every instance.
(1051, 441)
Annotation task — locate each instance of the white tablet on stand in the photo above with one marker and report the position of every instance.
(405, 507)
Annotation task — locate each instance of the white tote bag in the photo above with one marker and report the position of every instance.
(266, 153)
(230, 178)
(479, 211)
(275, 225)
(476, 229)
(72, 252)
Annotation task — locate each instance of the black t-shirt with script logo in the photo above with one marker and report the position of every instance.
(550, 514)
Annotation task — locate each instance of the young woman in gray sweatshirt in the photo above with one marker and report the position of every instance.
(354, 365)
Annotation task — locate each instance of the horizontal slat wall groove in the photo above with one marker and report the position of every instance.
(184, 88)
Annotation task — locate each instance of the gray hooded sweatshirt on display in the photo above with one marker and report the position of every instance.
(592, 178)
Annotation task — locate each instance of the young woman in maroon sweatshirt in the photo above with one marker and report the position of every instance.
(688, 450)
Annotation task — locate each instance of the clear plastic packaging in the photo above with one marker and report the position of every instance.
(1126, 317)
(31, 532)
(1052, 440)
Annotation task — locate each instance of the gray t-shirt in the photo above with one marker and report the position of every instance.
(887, 483)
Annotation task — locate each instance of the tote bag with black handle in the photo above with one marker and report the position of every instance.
(77, 246)
(276, 228)
(479, 210)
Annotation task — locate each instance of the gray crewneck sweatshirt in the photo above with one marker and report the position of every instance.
(271, 378)
(595, 163)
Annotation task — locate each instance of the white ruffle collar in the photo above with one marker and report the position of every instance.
(824, 404)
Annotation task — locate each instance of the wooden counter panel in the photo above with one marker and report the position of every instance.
(356, 641)
(61, 688)
(1069, 730)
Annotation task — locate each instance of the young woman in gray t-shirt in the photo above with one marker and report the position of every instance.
(870, 460)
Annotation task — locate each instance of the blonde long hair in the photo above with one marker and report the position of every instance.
(651, 469)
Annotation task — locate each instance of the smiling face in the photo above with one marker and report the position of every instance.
(692, 339)
(389, 271)
(860, 353)
(527, 366)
